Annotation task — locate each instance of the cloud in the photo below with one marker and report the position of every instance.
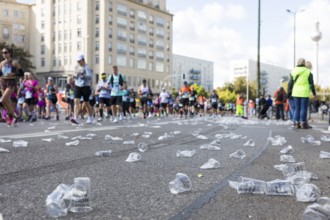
(205, 36)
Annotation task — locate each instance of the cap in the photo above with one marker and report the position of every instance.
(163, 88)
(50, 79)
(80, 57)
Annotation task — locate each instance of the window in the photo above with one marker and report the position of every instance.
(142, 15)
(54, 61)
(79, 32)
(42, 24)
(59, 35)
(97, 59)
(160, 32)
(121, 48)
(42, 12)
(132, 13)
(121, 9)
(16, 14)
(5, 12)
(160, 21)
(159, 67)
(65, 35)
(18, 38)
(79, 6)
(59, 48)
(78, 45)
(151, 19)
(121, 35)
(97, 19)
(110, 33)
(110, 6)
(110, 46)
(121, 22)
(160, 44)
(65, 60)
(65, 48)
(131, 38)
(142, 52)
(142, 40)
(142, 27)
(151, 43)
(97, 5)
(131, 63)
(110, 19)
(59, 62)
(151, 31)
(42, 37)
(97, 32)
(151, 54)
(151, 66)
(131, 50)
(42, 49)
(110, 60)
(5, 33)
(42, 62)
(132, 26)
(142, 64)
(21, 14)
(121, 60)
(97, 46)
(79, 19)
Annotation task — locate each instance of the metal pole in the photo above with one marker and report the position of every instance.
(294, 39)
(258, 56)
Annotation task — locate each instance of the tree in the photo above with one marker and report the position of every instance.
(200, 90)
(21, 55)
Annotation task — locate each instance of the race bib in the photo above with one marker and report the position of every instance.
(115, 89)
(214, 100)
(191, 98)
(185, 95)
(145, 95)
(125, 98)
(20, 100)
(71, 96)
(28, 94)
(6, 69)
(103, 92)
(131, 99)
(180, 105)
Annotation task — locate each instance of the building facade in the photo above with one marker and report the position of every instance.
(14, 23)
(135, 35)
(271, 76)
(193, 71)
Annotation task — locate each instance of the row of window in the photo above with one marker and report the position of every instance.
(120, 61)
(17, 38)
(16, 14)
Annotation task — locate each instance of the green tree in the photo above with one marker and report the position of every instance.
(21, 55)
(200, 90)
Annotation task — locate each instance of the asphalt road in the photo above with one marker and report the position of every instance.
(122, 190)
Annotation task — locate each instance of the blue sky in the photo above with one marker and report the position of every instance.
(236, 25)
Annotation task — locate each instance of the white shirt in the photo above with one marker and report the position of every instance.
(164, 96)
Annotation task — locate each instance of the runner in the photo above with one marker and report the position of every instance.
(200, 105)
(132, 97)
(31, 86)
(192, 101)
(116, 82)
(214, 102)
(184, 92)
(10, 70)
(83, 76)
(144, 93)
(164, 100)
(51, 91)
(69, 93)
(103, 89)
(41, 103)
(126, 101)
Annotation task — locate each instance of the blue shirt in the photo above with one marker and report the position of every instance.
(104, 93)
(83, 75)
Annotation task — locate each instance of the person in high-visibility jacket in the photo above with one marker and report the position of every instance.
(300, 85)
(239, 106)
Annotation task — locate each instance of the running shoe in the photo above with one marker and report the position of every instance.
(74, 121)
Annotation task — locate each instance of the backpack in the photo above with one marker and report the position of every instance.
(121, 80)
(280, 96)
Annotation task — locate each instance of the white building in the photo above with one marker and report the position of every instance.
(134, 35)
(271, 76)
(193, 71)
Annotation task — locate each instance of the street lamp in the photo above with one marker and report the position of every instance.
(294, 33)
(316, 37)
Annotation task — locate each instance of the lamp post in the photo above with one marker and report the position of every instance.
(316, 37)
(294, 33)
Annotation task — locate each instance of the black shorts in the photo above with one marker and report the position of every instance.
(92, 102)
(132, 104)
(144, 100)
(163, 105)
(192, 103)
(84, 92)
(13, 99)
(214, 105)
(54, 101)
(105, 101)
(116, 100)
(185, 101)
(31, 101)
(70, 103)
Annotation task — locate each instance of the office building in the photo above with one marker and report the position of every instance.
(193, 71)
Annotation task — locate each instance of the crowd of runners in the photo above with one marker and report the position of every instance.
(23, 99)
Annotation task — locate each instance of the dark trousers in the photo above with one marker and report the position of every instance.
(279, 111)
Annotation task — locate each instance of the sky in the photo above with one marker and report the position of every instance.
(224, 30)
